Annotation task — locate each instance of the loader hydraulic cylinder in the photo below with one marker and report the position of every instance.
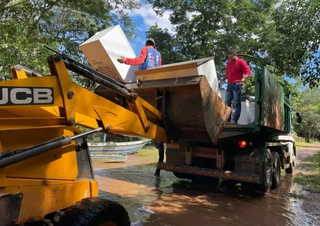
(95, 76)
(15, 157)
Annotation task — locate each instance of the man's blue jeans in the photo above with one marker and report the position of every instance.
(233, 92)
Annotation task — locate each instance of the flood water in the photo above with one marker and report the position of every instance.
(169, 201)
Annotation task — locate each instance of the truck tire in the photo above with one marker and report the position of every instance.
(267, 174)
(290, 169)
(95, 211)
(276, 179)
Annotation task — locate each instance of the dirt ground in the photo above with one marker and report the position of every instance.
(169, 201)
(311, 201)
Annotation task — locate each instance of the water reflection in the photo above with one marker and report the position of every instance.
(169, 201)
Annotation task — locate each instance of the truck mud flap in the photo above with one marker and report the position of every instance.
(209, 173)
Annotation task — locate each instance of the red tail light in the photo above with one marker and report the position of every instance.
(242, 144)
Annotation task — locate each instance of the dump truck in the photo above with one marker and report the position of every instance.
(201, 146)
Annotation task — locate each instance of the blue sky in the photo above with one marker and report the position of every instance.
(143, 18)
(138, 42)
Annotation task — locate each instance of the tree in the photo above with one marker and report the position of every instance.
(268, 30)
(308, 104)
(26, 25)
(210, 28)
(296, 49)
(166, 44)
(289, 88)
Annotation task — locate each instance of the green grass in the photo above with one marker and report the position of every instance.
(147, 154)
(295, 195)
(300, 144)
(148, 151)
(309, 176)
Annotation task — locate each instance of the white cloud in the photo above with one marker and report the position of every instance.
(190, 15)
(136, 44)
(151, 18)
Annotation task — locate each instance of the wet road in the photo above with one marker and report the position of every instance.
(171, 201)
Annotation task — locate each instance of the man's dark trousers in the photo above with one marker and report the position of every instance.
(160, 147)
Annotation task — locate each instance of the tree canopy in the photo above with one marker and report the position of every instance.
(26, 25)
(308, 103)
(284, 35)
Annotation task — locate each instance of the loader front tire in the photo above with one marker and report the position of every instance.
(95, 211)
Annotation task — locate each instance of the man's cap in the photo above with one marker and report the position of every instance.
(151, 40)
(232, 51)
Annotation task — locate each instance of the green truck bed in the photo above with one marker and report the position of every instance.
(272, 114)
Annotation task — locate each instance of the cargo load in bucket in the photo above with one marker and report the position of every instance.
(187, 97)
(103, 49)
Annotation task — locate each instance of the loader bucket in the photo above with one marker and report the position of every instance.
(191, 109)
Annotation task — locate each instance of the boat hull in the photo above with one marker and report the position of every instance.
(120, 148)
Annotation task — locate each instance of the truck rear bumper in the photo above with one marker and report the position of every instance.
(210, 172)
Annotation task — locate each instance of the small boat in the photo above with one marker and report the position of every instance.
(109, 158)
(115, 150)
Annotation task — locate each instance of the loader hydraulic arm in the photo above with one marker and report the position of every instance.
(32, 100)
(45, 163)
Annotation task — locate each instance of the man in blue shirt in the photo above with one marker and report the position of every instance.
(149, 58)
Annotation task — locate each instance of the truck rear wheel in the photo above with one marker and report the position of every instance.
(95, 212)
(276, 179)
(267, 174)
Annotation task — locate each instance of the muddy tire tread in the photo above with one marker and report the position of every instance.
(265, 187)
(276, 182)
(97, 210)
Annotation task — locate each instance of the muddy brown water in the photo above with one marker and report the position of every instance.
(169, 201)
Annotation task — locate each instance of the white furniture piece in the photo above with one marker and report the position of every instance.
(104, 48)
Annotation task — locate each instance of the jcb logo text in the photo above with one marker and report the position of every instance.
(26, 95)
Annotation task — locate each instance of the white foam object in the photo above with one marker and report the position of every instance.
(247, 110)
(104, 48)
(209, 70)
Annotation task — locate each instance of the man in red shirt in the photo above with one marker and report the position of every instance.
(237, 72)
(149, 58)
